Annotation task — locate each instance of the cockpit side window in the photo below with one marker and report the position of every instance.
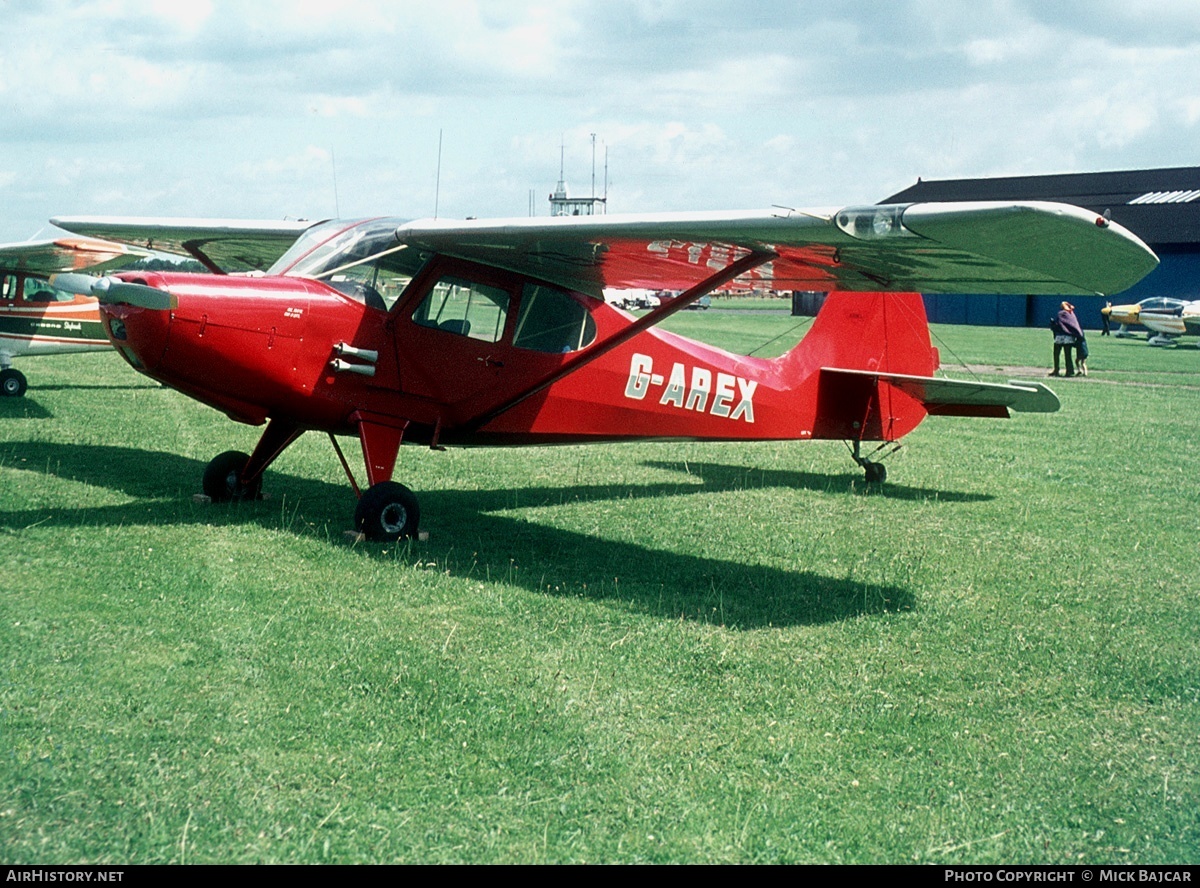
(380, 283)
(551, 320)
(40, 290)
(465, 307)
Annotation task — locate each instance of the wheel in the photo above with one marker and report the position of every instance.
(876, 472)
(222, 478)
(387, 511)
(12, 383)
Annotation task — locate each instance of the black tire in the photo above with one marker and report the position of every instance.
(387, 511)
(876, 472)
(222, 481)
(12, 383)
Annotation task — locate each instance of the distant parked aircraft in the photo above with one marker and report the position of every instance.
(37, 318)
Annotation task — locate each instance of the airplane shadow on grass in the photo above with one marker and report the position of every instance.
(488, 546)
(23, 408)
(99, 386)
(28, 407)
(722, 477)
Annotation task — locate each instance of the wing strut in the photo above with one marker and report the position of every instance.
(196, 249)
(706, 286)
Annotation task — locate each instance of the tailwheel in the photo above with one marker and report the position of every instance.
(875, 472)
(387, 511)
(12, 383)
(223, 478)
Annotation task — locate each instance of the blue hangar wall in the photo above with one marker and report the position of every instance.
(1161, 206)
(1178, 274)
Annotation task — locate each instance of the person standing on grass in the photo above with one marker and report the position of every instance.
(1067, 333)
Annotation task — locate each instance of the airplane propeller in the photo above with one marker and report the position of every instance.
(114, 291)
(73, 282)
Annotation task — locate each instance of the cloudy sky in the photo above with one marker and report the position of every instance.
(304, 109)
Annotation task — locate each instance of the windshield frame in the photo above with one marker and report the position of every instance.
(326, 247)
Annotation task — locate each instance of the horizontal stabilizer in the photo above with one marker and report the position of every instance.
(958, 397)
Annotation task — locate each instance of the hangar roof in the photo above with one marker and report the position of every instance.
(1162, 207)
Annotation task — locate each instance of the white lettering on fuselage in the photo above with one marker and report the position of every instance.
(698, 392)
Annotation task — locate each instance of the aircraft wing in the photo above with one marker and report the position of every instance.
(960, 397)
(1021, 248)
(65, 254)
(223, 245)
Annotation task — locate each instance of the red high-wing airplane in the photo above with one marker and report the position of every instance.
(496, 332)
(39, 319)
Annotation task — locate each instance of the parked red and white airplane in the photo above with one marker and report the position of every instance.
(37, 318)
(497, 333)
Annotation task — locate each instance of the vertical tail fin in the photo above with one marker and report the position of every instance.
(876, 332)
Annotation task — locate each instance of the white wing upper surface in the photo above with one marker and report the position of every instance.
(227, 244)
(1023, 248)
(65, 254)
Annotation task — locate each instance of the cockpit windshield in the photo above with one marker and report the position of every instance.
(361, 259)
(333, 243)
(1162, 305)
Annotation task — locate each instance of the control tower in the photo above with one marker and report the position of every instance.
(563, 205)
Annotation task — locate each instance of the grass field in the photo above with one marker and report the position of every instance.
(634, 653)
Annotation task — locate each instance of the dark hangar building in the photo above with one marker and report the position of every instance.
(1162, 207)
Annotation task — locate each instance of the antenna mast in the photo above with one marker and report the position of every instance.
(337, 210)
(437, 188)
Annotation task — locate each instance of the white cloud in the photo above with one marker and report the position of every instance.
(187, 16)
(215, 107)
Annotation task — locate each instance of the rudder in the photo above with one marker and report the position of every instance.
(875, 332)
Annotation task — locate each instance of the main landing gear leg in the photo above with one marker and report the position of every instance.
(386, 510)
(234, 475)
(876, 472)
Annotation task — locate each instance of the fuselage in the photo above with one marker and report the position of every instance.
(38, 319)
(1181, 320)
(469, 354)
(1160, 314)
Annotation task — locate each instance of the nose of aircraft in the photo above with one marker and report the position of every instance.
(1124, 314)
(137, 319)
(114, 291)
(135, 315)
